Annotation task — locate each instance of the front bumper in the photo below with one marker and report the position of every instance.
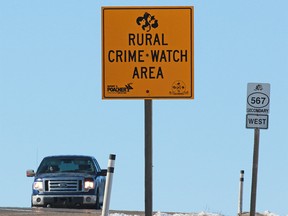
(64, 200)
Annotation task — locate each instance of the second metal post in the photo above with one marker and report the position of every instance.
(254, 172)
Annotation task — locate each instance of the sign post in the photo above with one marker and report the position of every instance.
(258, 105)
(148, 159)
(254, 172)
(148, 53)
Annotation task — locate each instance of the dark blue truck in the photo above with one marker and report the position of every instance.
(73, 181)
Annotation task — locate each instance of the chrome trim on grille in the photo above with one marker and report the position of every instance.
(63, 185)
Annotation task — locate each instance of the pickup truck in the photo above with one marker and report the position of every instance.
(74, 181)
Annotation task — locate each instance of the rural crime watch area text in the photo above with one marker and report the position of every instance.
(141, 55)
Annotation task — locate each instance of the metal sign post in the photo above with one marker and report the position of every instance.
(254, 172)
(257, 108)
(148, 159)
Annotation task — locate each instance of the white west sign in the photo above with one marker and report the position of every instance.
(257, 121)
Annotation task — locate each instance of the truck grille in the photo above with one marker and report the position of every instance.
(63, 185)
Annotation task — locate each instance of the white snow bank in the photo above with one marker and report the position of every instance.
(190, 214)
(266, 213)
(165, 214)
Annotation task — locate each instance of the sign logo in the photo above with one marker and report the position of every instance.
(147, 53)
(62, 185)
(114, 89)
(258, 87)
(147, 22)
(178, 88)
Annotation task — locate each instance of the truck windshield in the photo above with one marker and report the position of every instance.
(58, 164)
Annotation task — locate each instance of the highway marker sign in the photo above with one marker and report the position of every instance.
(258, 105)
(258, 98)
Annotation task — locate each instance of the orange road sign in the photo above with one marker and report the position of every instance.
(147, 52)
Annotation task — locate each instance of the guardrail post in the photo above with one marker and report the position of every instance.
(240, 202)
(108, 186)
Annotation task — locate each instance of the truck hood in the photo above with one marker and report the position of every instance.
(64, 175)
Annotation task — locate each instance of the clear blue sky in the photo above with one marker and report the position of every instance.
(51, 103)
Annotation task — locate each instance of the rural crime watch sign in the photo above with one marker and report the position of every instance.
(147, 52)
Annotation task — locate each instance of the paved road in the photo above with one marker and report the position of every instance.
(57, 212)
(71, 212)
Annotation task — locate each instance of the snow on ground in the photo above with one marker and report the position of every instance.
(266, 213)
(178, 214)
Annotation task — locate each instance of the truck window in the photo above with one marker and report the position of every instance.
(55, 164)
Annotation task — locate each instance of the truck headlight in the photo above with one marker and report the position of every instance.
(38, 186)
(89, 184)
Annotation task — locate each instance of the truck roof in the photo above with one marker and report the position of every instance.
(70, 156)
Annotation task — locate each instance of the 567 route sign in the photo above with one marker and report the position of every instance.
(258, 98)
(148, 52)
(258, 105)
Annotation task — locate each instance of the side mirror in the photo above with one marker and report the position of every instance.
(103, 172)
(30, 173)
